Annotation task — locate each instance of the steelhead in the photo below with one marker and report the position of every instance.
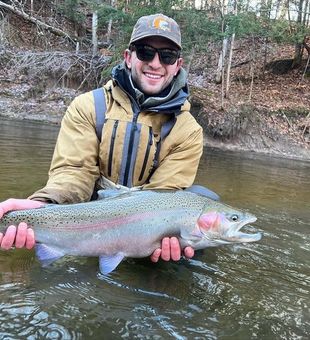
(131, 224)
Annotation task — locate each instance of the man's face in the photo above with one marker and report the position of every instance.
(152, 76)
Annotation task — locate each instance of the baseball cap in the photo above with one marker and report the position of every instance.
(156, 25)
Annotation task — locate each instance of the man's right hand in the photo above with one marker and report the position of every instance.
(20, 236)
(171, 250)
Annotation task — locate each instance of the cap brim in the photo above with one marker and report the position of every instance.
(154, 35)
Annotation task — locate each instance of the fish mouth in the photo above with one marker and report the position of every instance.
(235, 235)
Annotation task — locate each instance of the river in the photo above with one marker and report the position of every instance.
(247, 291)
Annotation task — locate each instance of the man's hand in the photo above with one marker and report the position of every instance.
(22, 236)
(171, 250)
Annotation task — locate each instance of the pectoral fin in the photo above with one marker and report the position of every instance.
(47, 254)
(108, 263)
(193, 234)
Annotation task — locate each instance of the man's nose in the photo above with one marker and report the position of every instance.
(155, 62)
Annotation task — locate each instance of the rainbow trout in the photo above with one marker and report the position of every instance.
(131, 224)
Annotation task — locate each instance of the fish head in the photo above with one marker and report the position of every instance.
(221, 224)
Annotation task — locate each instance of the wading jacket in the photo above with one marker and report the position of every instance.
(150, 141)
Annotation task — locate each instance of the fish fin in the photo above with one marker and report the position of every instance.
(114, 193)
(47, 254)
(105, 183)
(203, 191)
(108, 193)
(108, 263)
(191, 234)
(190, 237)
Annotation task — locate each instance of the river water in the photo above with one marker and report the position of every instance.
(248, 291)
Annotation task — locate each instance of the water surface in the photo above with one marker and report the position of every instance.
(251, 291)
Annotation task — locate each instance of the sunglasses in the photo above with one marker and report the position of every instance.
(167, 56)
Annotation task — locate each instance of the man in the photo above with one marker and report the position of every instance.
(148, 137)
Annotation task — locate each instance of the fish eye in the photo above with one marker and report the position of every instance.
(234, 218)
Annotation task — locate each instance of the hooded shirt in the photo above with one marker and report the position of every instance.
(152, 141)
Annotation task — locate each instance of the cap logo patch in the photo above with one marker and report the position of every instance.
(156, 25)
(161, 24)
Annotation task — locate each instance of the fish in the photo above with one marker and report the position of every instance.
(131, 224)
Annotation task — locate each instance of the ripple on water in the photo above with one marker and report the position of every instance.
(21, 316)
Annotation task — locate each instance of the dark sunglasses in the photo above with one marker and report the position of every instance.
(167, 56)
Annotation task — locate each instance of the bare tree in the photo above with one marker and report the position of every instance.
(94, 32)
(221, 61)
(299, 45)
(232, 41)
(109, 31)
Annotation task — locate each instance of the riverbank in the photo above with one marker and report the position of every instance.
(248, 127)
(274, 120)
(244, 129)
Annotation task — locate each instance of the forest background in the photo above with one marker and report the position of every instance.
(247, 62)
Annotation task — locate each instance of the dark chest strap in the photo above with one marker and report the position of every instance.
(100, 109)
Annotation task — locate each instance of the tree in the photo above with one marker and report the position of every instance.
(301, 24)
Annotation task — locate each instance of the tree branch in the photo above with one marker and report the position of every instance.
(35, 21)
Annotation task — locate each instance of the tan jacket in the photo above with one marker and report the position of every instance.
(80, 159)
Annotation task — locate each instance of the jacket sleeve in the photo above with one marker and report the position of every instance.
(177, 170)
(74, 167)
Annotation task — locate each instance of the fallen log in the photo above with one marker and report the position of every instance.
(32, 19)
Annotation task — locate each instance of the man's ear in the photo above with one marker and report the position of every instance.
(179, 65)
(127, 58)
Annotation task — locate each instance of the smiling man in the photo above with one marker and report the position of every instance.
(136, 131)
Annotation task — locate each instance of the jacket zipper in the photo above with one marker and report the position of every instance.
(147, 152)
(112, 148)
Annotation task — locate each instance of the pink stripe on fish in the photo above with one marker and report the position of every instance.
(109, 224)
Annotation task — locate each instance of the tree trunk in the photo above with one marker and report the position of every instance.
(252, 69)
(232, 41)
(298, 46)
(306, 13)
(94, 32)
(109, 30)
(221, 62)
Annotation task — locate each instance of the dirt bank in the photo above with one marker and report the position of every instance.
(245, 128)
(275, 121)
(282, 133)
